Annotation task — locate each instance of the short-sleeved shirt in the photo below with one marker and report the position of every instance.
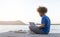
(46, 22)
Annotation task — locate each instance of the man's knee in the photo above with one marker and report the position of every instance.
(30, 27)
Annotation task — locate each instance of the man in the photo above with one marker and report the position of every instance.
(45, 23)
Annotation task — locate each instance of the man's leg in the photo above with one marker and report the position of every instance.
(36, 29)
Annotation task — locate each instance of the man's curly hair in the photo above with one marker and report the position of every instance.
(42, 9)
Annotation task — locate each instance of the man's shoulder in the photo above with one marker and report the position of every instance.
(46, 17)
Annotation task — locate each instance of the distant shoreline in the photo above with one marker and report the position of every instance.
(25, 24)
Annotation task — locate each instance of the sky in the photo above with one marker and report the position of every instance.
(26, 10)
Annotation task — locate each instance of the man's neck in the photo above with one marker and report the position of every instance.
(43, 15)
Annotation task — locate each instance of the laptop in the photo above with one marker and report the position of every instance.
(32, 23)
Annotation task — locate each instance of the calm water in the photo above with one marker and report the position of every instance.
(6, 28)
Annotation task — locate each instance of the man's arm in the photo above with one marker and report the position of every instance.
(42, 26)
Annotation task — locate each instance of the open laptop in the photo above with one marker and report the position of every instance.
(32, 23)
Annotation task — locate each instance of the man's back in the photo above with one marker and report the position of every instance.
(46, 22)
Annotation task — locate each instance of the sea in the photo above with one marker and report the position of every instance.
(7, 28)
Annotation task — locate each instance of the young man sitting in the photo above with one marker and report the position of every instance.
(45, 22)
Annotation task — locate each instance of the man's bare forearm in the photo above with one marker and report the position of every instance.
(42, 26)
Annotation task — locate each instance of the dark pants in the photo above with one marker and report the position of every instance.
(36, 30)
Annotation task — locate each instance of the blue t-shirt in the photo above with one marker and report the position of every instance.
(46, 22)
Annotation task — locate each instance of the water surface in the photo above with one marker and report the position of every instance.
(6, 28)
